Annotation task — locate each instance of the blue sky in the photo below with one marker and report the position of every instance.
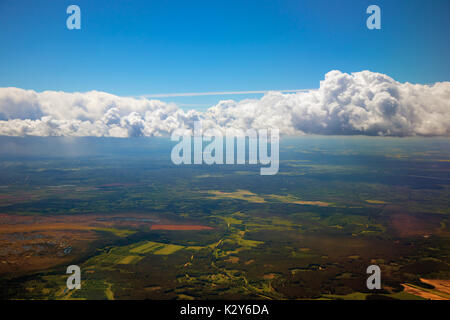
(147, 47)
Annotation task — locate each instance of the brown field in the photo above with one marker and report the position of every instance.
(10, 223)
(440, 285)
(36, 243)
(441, 289)
(421, 293)
(232, 259)
(407, 225)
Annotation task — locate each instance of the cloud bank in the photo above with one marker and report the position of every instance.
(363, 103)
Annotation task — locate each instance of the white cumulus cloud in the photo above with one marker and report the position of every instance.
(364, 103)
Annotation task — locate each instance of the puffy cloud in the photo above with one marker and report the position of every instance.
(365, 103)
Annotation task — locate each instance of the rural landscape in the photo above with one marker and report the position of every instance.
(140, 227)
(218, 158)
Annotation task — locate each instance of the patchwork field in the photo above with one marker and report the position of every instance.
(141, 228)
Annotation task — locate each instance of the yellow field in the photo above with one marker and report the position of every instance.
(253, 197)
(129, 260)
(168, 249)
(238, 194)
(290, 199)
(376, 202)
(147, 247)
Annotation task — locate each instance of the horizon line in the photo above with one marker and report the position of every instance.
(215, 93)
